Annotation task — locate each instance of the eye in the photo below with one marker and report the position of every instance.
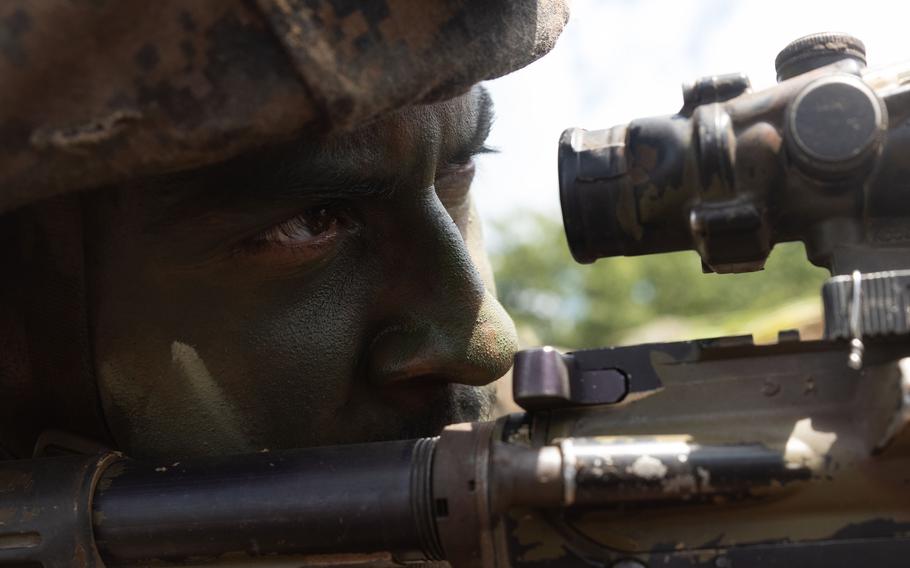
(309, 235)
(301, 229)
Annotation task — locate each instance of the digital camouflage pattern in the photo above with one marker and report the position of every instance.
(96, 92)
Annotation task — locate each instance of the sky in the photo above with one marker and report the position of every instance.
(618, 60)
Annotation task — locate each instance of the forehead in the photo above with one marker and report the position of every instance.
(439, 129)
(404, 147)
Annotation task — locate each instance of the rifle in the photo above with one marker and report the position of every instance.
(714, 453)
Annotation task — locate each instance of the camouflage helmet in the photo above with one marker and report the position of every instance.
(95, 92)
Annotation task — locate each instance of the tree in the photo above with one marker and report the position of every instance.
(577, 306)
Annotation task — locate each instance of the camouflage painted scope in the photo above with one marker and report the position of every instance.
(816, 158)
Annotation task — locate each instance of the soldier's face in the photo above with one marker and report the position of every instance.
(300, 296)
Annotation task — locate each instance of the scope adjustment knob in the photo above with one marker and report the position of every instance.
(835, 127)
(817, 50)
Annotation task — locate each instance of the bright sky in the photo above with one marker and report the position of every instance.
(623, 59)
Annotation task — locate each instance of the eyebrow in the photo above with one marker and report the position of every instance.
(239, 198)
(259, 177)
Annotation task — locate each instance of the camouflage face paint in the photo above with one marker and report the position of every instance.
(302, 295)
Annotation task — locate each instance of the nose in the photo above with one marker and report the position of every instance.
(440, 322)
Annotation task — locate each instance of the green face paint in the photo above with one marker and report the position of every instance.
(303, 295)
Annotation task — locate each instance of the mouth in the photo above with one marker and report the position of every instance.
(425, 409)
(435, 393)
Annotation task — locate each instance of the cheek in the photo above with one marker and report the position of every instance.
(301, 349)
(227, 362)
(309, 338)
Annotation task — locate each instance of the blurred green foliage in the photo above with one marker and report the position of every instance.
(572, 305)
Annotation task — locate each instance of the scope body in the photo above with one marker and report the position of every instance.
(819, 158)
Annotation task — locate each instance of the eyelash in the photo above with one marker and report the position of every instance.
(314, 222)
(311, 233)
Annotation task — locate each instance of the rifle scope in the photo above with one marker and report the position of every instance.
(812, 159)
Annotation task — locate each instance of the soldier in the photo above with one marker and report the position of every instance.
(232, 226)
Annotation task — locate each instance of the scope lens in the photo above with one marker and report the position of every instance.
(591, 163)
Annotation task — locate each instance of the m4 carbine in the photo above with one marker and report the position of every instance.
(715, 453)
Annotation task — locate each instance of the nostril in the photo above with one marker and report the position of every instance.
(412, 356)
(400, 354)
(445, 345)
(409, 379)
